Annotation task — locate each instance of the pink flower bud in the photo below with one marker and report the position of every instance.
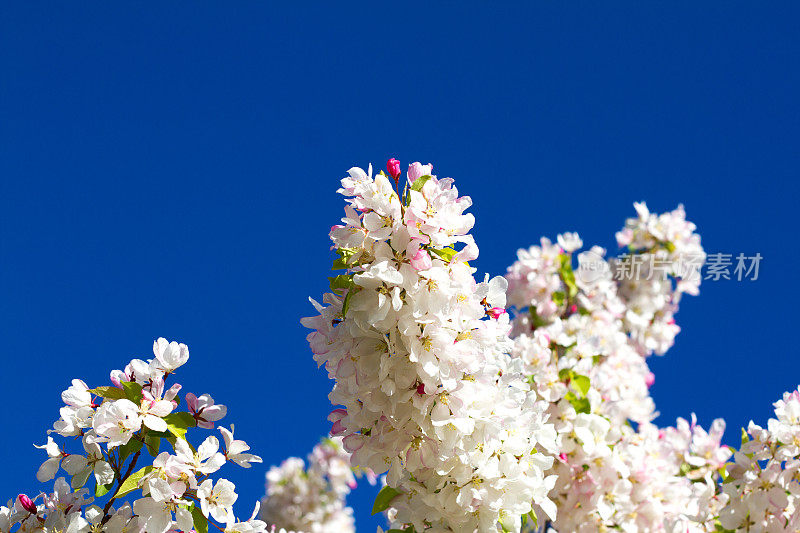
(649, 379)
(27, 503)
(417, 170)
(393, 166)
(496, 312)
(421, 260)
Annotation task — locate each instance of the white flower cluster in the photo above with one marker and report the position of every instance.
(312, 500)
(664, 262)
(583, 341)
(418, 351)
(763, 483)
(133, 417)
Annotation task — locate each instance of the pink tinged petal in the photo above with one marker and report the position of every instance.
(353, 442)
(172, 392)
(336, 429)
(205, 424)
(421, 260)
(416, 170)
(215, 413)
(191, 401)
(337, 414)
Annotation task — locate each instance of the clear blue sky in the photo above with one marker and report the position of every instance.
(170, 171)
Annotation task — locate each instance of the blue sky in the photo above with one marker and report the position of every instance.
(170, 170)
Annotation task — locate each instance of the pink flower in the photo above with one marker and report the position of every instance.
(27, 503)
(393, 166)
(417, 170)
(421, 260)
(496, 312)
(204, 410)
(336, 417)
(649, 379)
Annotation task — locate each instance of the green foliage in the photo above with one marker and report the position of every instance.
(102, 490)
(581, 384)
(419, 183)
(153, 442)
(200, 521)
(345, 259)
(133, 446)
(445, 254)
(132, 483)
(567, 275)
(581, 405)
(133, 391)
(384, 499)
(110, 393)
(178, 423)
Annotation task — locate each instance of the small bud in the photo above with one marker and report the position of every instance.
(27, 503)
(496, 312)
(417, 170)
(393, 167)
(649, 379)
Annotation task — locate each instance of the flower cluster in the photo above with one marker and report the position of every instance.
(419, 354)
(118, 427)
(664, 263)
(312, 499)
(583, 336)
(763, 483)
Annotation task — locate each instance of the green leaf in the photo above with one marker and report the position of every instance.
(344, 259)
(445, 254)
(582, 384)
(132, 483)
(341, 282)
(581, 405)
(384, 498)
(153, 442)
(559, 297)
(177, 423)
(565, 374)
(346, 302)
(200, 521)
(133, 391)
(536, 320)
(133, 446)
(112, 393)
(419, 183)
(102, 490)
(745, 437)
(567, 275)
